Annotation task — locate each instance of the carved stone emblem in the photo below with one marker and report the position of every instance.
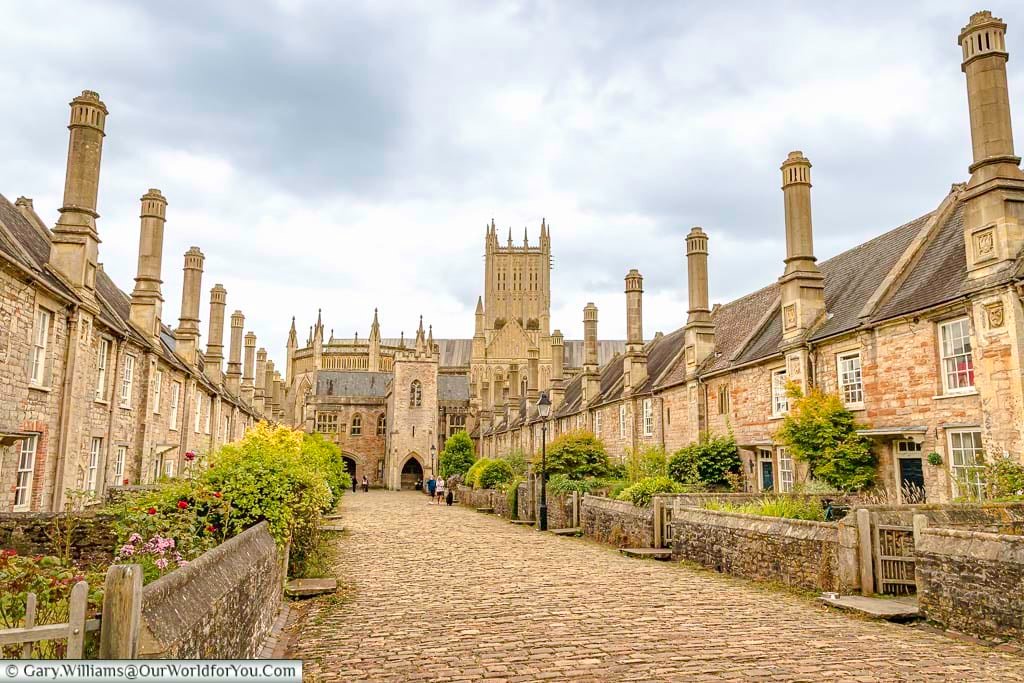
(995, 315)
(789, 316)
(985, 244)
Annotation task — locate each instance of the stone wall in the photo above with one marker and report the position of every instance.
(807, 555)
(93, 539)
(617, 522)
(971, 582)
(990, 517)
(221, 606)
(560, 511)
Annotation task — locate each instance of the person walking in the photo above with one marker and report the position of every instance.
(366, 484)
(440, 490)
(431, 487)
(352, 476)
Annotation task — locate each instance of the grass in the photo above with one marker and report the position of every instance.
(789, 507)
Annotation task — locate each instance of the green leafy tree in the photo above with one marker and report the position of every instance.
(820, 431)
(645, 463)
(577, 454)
(457, 456)
(709, 461)
(495, 474)
(473, 473)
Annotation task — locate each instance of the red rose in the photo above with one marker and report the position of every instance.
(217, 494)
(182, 504)
(190, 456)
(125, 482)
(210, 528)
(151, 511)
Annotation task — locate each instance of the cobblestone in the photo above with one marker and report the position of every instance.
(447, 594)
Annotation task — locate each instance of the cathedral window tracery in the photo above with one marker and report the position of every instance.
(416, 394)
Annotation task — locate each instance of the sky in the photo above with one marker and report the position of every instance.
(347, 155)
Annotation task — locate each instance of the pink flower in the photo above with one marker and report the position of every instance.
(161, 563)
(134, 538)
(127, 550)
(190, 456)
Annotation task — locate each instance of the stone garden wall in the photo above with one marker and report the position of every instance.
(560, 511)
(972, 582)
(990, 517)
(617, 522)
(802, 554)
(221, 606)
(92, 537)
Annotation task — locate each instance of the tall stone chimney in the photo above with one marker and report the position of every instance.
(233, 379)
(268, 388)
(187, 334)
(248, 387)
(557, 361)
(215, 339)
(802, 285)
(591, 379)
(634, 369)
(699, 342)
(146, 301)
(260, 382)
(75, 251)
(532, 374)
(514, 384)
(992, 229)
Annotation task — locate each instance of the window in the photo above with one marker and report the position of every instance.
(780, 402)
(723, 399)
(785, 471)
(581, 421)
(456, 424)
(26, 472)
(597, 423)
(209, 415)
(382, 425)
(94, 463)
(199, 413)
(357, 425)
(647, 413)
(851, 384)
(158, 381)
(101, 370)
(126, 381)
(225, 428)
(327, 423)
(965, 463)
(622, 421)
(175, 397)
(415, 394)
(122, 454)
(957, 361)
(39, 345)
(169, 467)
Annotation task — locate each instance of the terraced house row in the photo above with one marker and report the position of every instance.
(95, 390)
(919, 330)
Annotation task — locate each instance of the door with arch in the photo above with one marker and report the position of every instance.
(350, 466)
(412, 472)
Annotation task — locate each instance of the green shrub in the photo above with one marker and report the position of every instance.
(325, 457)
(577, 454)
(616, 487)
(788, 507)
(457, 456)
(1004, 478)
(560, 484)
(641, 492)
(473, 473)
(512, 496)
(709, 461)
(517, 461)
(494, 474)
(646, 463)
(821, 431)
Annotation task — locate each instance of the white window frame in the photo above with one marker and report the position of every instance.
(597, 423)
(209, 415)
(102, 362)
(199, 413)
(648, 413)
(122, 455)
(26, 473)
(127, 380)
(40, 346)
(850, 377)
(780, 401)
(169, 468)
(622, 421)
(581, 420)
(950, 354)
(765, 455)
(92, 478)
(158, 381)
(175, 399)
(960, 470)
(787, 470)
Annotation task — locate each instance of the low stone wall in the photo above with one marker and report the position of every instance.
(526, 504)
(221, 606)
(989, 517)
(560, 511)
(617, 522)
(972, 582)
(92, 536)
(476, 498)
(803, 554)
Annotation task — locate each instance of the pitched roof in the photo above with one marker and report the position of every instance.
(606, 350)
(352, 383)
(453, 388)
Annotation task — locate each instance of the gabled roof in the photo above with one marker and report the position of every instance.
(352, 383)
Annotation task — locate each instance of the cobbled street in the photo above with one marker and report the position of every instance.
(449, 594)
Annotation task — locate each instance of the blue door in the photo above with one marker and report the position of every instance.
(767, 476)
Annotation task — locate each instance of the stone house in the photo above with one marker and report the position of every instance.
(95, 390)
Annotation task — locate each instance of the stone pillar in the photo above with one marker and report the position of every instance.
(215, 339)
(260, 382)
(187, 334)
(146, 300)
(700, 331)
(802, 284)
(867, 570)
(233, 380)
(75, 250)
(557, 361)
(248, 387)
(634, 369)
(513, 384)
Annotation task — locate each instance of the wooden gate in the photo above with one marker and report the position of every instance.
(893, 550)
(662, 522)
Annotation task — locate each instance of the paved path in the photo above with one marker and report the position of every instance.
(450, 594)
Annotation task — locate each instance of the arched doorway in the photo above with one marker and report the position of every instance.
(350, 466)
(412, 472)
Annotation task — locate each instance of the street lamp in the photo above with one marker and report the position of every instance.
(543, 410)
(433, 459)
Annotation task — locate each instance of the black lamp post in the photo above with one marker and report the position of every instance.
(543, 410)
(433, 459)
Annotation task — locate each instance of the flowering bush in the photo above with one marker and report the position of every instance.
(157, 555)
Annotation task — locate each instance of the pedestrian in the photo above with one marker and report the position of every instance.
(431, 486)
(352, 476)
(440, 490)
(419, 484)
(449, 498)
(366, 484)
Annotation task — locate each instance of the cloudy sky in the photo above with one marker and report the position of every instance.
(347, 155)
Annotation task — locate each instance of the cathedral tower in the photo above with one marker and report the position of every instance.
(517, 282)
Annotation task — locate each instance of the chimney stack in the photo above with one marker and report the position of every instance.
(532, 372)
(591, 379)
(248, 388)
(557, 361)
(699, 335)
(75, 251)
(634, 369)
(215, 339)
(802, 284)
(260, 382)
(187, 334)
(146, 300)
(268, 389)
(234, 374)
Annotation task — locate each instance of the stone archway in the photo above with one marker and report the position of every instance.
(350, 465)
(411, 472)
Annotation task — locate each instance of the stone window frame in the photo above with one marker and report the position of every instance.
(175, 400)
(723, 399)
(415, 394)
(39, 361)
(355, 427)
(456, 423)
(127, 381)
(158, 390)
(102, 365)
(972, 474)
(119, 460)
(850, 390)
(382, 424)
(209, 415)
(198, 423)
(952, 353)
(92, 471)
(327, 423)
(779, 399)
(787, 466)
(26, 473)
(622, 421)
(647, 407)
(597, 423)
